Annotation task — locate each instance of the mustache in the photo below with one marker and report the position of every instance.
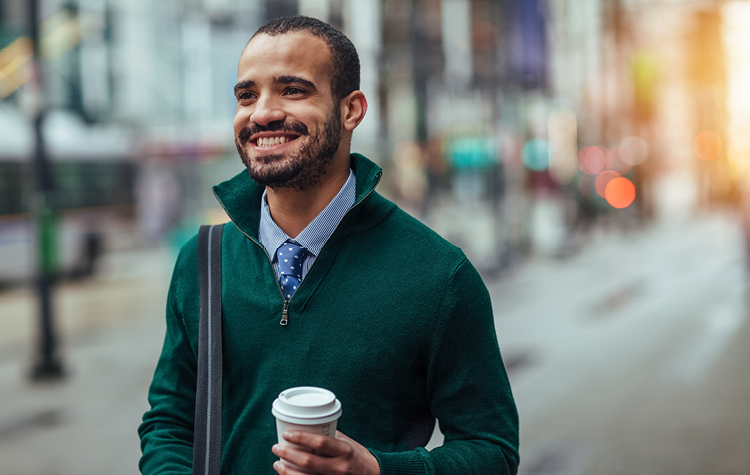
(278, 126)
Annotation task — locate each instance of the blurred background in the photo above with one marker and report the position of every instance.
(589, 156)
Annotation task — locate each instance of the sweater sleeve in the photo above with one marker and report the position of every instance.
(468, 390)
(167, 429)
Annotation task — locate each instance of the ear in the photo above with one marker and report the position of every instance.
(353, 109)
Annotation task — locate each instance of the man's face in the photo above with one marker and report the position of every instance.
(287, 127)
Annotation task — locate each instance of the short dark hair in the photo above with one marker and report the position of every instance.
(344, 58)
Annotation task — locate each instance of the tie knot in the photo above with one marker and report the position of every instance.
(290, 257)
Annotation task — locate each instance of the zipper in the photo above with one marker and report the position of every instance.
(285, 311)
(285, 314)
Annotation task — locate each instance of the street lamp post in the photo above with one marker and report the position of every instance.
(47, 365)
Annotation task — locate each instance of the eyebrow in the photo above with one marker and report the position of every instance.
(279, 80)
(295, 80)
(243, 85)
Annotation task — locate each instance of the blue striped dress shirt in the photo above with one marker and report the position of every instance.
(315, 235)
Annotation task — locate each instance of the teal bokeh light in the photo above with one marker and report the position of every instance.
(473, 152)
(536, 155)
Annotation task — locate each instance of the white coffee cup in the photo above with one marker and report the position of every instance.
(305, 408)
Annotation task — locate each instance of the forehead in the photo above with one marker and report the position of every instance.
(290, 54)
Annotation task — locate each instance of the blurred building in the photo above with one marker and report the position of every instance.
(475, 105)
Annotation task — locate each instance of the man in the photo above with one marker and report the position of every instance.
(387, 315)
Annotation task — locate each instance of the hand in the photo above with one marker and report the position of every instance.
(332, 456)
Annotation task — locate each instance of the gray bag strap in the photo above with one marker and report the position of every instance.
(207, 432)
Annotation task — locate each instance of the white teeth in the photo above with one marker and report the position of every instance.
(271, 141)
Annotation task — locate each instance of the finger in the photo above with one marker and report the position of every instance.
(301, 462)
(317, 443)
(341, 436)
(283, 469)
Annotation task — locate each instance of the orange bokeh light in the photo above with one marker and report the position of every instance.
(707, 145)
(619, 192)
(603, 179)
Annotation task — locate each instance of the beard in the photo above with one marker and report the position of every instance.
(301, 170)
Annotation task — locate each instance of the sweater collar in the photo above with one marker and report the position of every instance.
(240, 196)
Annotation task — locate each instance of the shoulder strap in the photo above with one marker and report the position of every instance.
(207, 431)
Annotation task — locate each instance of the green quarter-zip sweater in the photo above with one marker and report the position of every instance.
(391, 318)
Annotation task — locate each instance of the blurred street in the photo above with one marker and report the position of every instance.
(631, 357)
(628, 357)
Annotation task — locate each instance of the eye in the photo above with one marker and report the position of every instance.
(293, 91)
(245, 95)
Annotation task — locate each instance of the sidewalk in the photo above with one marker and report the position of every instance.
(111, 331)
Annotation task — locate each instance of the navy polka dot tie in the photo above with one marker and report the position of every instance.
(290, 257)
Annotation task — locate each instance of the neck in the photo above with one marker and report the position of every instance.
(292, 210)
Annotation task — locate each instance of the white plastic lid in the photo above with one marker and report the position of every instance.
(307, 405)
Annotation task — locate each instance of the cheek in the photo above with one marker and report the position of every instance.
(241, 118)
(237, 126)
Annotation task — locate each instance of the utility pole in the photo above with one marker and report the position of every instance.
(47, 365)
(421, 56)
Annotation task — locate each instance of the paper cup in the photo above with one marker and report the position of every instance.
(305, 408)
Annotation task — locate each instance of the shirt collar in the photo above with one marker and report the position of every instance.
(315, 235)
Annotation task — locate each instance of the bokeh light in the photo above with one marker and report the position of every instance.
(618, 159)
(536, 154)
(637, 147)
(620, 192)
(707, 145)
(603, 179)
(591, 160)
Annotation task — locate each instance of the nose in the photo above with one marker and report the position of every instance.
(267, 110)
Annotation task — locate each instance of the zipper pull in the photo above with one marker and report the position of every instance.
(285, 313)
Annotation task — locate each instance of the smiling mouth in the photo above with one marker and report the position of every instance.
(271, 141)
